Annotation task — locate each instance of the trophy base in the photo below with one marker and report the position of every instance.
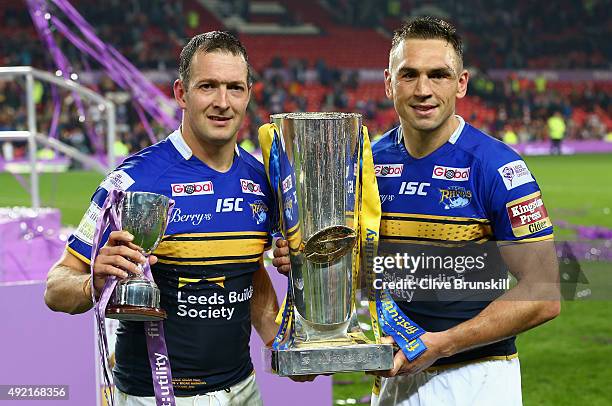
(323, 358)
(135, 313)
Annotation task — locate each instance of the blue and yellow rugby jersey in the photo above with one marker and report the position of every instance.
(218, 230)
(473, 188)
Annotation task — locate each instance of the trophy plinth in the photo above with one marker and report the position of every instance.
(317, 155)
(137, 298)
(325, 357)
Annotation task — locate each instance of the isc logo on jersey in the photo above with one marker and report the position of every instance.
(528, 215)
(414, 188)
(192, 189)
(449, 173)
(389, 170)
(248, 186)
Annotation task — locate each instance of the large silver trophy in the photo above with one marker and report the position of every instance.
(318, 157)
(145, 216)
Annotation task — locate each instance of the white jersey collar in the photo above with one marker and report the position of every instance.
(457, 133)
(179, 143)
(181, 146)
(453, 138)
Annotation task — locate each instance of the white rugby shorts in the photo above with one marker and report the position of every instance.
(481, 383)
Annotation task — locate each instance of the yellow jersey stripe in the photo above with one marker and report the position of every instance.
(199, 249)
(78, 255)
(435, 219)
(196, 261)
(226, 235)
(534, 239)
(409, 230)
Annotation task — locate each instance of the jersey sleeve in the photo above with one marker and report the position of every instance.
(80, 241)
(515, 205)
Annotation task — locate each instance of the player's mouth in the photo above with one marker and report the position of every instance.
(219, 120)
(423, 110)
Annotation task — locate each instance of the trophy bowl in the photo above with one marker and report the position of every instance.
(137, 298)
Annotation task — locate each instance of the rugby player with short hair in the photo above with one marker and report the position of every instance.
(209, 265)
(452, 183)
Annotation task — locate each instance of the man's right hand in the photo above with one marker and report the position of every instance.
(281, 256)
(118, 257)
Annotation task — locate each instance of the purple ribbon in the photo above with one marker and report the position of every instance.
(38, 9)
(154, 330)
(147, 97)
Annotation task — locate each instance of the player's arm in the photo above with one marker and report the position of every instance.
(68, 289)
(264, 306)
(68, 281)
(533, 301)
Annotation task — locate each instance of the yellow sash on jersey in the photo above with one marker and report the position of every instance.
(370, 224)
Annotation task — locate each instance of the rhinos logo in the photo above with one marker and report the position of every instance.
(455, 197)
(259, 209)
(288, 204)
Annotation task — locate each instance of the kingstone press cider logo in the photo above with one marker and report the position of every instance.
(528, 215)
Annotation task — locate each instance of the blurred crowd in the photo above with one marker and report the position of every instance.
(514, 108)
(561, 34)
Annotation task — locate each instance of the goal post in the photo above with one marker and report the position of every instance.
(33, 137)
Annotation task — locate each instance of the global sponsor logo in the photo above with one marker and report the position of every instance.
(248, 186)
(515, 174)
(528, 215)
(450, 173)
(192, 189)
(287, 184)
(455, 197)
(259, 210)
(388, 170)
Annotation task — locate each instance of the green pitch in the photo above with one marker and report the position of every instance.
(564, 362)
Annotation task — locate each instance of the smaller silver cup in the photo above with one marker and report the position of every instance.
(144, 215)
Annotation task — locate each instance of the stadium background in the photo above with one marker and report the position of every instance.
(527, 59)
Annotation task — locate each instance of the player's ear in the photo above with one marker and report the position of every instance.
(464, 77)
(388, 89)
(179, 93)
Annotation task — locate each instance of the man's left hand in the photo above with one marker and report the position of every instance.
(436, 347)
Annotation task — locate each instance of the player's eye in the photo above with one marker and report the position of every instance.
(237, 88)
